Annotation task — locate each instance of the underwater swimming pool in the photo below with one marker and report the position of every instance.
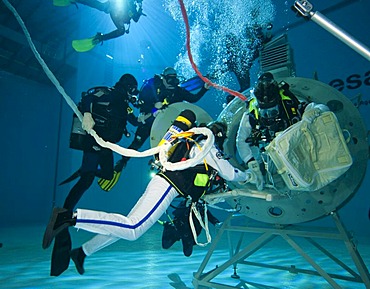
(144, 264)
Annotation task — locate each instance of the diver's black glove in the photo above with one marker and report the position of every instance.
(120, 164)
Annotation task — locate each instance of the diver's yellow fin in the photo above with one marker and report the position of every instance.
(62, 3)
(107, 185)
(83, 45)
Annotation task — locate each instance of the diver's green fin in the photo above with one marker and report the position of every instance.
(107, 185)
(62, 3)
(83, 45)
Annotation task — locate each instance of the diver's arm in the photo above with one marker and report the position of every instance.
(147, 96)
(88, 122)
(243, 133)
(114, 34)
(132, 119)
(225, 170)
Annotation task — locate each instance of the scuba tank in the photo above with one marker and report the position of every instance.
(184, 121)
(79, 139)
(78, 135)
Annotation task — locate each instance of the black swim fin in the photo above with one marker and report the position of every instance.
(74, 176)
(193, 83)
(61, 253)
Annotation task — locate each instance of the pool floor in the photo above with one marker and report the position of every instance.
(144, 264)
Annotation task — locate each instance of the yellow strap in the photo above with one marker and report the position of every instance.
(184, 120)
(200, 148)
(184, 134)
(187, 135)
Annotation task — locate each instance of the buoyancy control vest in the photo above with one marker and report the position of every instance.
(110, 115)
(194, 181)
(109, 110)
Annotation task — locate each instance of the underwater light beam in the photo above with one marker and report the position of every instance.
(114, 147)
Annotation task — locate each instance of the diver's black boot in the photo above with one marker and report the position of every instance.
(60, 219)
(187, 244)
(169, 236)
(78, 257)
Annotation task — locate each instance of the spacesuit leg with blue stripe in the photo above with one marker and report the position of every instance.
(150, 207)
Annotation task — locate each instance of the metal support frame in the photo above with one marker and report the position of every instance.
(289, 233)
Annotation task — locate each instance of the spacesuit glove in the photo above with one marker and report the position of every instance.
(158, 105)
(88, 122)
(310, 115)
(256, 175)
(312, 111)
(143, 117)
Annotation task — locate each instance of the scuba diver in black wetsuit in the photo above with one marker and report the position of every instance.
(273, 109)
(155, 95)
(106, 110)
(121, 13)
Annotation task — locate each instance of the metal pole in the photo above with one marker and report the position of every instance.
(305, 8)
